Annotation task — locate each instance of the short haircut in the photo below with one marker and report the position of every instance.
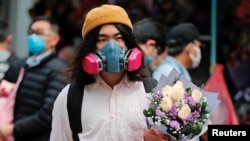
(147, 29)
(51, 21)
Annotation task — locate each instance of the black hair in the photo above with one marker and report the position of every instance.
(175, 46)
(54, 27)
(4, 30)
(148, 28)
(75, 70)
(50, 20)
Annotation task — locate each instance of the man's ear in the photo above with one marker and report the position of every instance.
(150, 43)
(188, 47)
(150, 46)
(55, 40)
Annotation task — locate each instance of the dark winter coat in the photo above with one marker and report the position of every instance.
(35, 97)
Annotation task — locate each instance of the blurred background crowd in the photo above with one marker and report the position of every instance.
(233, 33)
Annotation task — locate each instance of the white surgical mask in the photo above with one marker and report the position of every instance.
(195, 59)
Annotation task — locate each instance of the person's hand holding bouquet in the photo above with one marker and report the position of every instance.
(154, 135)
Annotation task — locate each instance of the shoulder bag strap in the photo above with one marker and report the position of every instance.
(74, 105)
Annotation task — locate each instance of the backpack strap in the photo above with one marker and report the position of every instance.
(74, 103)
(149, 84)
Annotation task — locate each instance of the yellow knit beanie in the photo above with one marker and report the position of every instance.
(103, 15)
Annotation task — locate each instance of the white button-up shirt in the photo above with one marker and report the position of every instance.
(107, 114)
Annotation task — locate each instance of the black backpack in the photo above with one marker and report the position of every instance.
(74, 103)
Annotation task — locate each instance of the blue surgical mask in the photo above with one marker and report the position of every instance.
(113, 57)
(36, 44)
(149, 60)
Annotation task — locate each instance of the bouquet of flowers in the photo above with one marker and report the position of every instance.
(178, 108)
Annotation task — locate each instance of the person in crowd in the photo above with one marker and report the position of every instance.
(151, 37)
(39, 83)
(7, 56)
(114, 95)
(184, 50)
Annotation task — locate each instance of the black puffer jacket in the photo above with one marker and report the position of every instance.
(35, 98)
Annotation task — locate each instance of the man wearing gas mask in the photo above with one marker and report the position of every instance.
(109, 68)
(184, 42)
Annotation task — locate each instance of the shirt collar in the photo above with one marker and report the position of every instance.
(124, 81)
(35, 60)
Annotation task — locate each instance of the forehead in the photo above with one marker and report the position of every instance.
(109, 30)
(41, 25)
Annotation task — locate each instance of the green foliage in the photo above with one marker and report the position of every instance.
(189, 91)
(196, 129)
(150, 112)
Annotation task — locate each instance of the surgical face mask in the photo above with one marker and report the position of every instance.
(113, 57)
(36, 44)
(196, 60)
(149, 60)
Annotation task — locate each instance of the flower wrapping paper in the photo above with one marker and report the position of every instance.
(211, 102)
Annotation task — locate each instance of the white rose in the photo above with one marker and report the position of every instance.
(196, 94)
(184, 112)
(179, 83)
(178, 91)
(166, 91)
(166, 103)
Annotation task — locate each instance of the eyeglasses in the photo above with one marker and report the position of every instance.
(41, 33)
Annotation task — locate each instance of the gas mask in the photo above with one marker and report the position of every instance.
(112, 55)
(113, 59)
